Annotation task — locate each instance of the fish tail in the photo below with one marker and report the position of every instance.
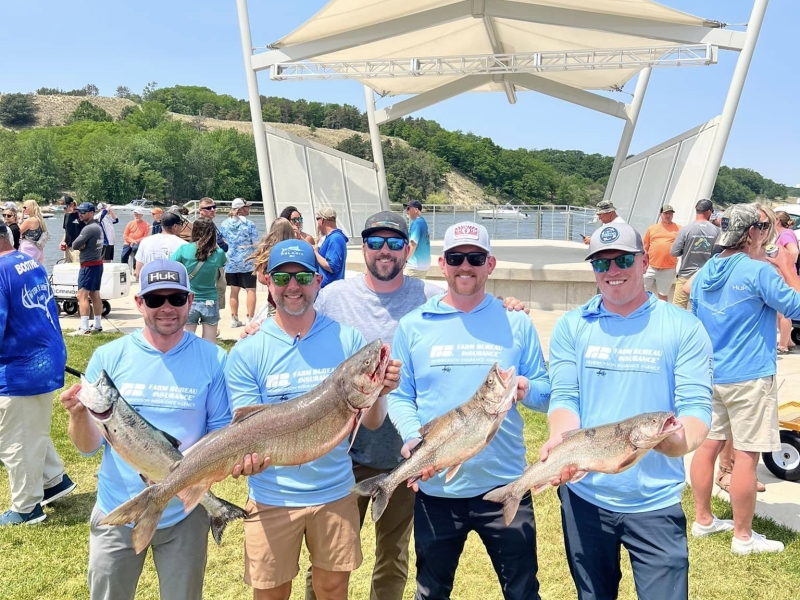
(376, 488)
(505, 496)
(145, 510)
(224, 513)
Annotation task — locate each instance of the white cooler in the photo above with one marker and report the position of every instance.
(116, 283)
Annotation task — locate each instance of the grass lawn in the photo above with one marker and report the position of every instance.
(49, 560)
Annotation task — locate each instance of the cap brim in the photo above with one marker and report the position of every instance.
(166, 285)
(470, 243)
(368, 232)
(620, 247)
(729, 238)
(294, 261)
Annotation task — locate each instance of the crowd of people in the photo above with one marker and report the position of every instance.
(709, 356)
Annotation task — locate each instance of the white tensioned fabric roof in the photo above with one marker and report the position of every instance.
(472, 27)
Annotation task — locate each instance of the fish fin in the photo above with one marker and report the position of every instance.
(541, 487)
(451, 472)
(224, 515)
(245, 412)
(568, 434)
(423, 431)
(355, 430)
(376, 488)
(191, 496)
(176, 443)
(142, 510)
(510, 502)
(578, 476)
(629, 461)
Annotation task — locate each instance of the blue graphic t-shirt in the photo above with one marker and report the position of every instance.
(334, 250)
(32, 351)
(242, 237)
(181, 392)
(418, 233)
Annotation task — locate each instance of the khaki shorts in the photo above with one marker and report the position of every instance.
(747, 413)
(681, 298)
(273, 536)
(660, 279)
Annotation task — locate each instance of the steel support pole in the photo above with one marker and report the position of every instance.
(732, 100)
(377, 149)
(259, 133)
(634, 109)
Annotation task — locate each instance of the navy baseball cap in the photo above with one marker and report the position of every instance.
(163, 274)
(292, 251)
(385, 220)
(86, 207)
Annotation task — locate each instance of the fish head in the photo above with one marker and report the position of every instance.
(649, 429)
(498, 390)
(363, 376)
(99, 397)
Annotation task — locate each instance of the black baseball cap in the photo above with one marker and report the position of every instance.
(170, 219)
(385, 220)
(414, 204)
(704, 205)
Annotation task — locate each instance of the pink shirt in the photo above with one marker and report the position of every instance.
(787, 236)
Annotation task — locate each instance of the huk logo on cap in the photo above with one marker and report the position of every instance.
(609, 235)
(161, 276)
(465, 232)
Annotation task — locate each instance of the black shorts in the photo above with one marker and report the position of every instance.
(108, 253)
(242, 280)
(89, 278)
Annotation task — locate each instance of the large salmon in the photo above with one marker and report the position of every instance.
(450, 439)
(150, 451)
(290, 433)
(611, 448)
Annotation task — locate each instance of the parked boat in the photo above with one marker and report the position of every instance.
(142, 203)
(506, 211)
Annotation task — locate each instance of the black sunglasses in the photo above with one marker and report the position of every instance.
(283, 279)
(602, 265)
(209, 207)
(8, 215)
(156, 301)
(456, 259)
(376, 242)
(762, 225)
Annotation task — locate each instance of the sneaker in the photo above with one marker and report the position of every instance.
(235, 322)
(59, 491)
(79, 332)
(12, 517)
(717, 526)
(96, 329)
(757, 543)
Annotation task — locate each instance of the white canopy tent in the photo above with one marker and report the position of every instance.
(412, 48)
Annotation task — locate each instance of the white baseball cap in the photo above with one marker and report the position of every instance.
(138, 211)
(239, 203)
(466, 234)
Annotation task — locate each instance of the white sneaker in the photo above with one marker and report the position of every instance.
(717, 526)
(235, 322)
(757, 543)
(79, 332)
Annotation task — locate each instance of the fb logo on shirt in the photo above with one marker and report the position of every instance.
(598, 352)
(441, 351)
(279, 380)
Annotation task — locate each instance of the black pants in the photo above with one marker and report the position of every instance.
(441, 526)
(655, 541)
(127, 251)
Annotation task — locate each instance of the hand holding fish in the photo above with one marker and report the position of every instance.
(568, 472)
(426, 473)
(523, 387)
(250, 465)
(391, 378)
(69, 400)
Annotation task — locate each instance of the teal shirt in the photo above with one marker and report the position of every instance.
(204, 282)
(418, 233)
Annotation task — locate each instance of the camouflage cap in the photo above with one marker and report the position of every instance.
(605, 206)
(736, 221)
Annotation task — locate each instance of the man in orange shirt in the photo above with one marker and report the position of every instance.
(135, 232)
(657, 243)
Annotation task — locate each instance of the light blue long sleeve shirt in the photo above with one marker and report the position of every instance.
(737, 299)
(271, 367)
(181, 392)
(606, 368)
(445, 356)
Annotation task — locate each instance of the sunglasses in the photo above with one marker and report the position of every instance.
(209, 207)
(283, 279)
(456, 259)
(297, 220)
(602, 265)
(8, 215)
(376, 242)
(762, 225)
(156, 301)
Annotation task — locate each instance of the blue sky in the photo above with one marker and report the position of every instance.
(111, 43)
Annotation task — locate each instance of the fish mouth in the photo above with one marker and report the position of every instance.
(508, 380)
(670, 425)
(375, 378)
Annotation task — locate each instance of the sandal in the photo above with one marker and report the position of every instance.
(783, 350)
(723, 480)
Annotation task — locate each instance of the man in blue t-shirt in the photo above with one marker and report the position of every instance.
(332, 253)
(175, 380)
(622, 354)
(419, 257)
(290, 355)
(32, 359)
(446, 347)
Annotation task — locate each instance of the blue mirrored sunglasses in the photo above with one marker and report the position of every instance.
(624, 261)
(376, 242)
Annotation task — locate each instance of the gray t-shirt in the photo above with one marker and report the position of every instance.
(694, 243)
(351, 302)
(90, 242)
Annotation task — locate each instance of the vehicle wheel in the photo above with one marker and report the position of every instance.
(796, 335)
(70, 307)
(785, 463)
(106, 308)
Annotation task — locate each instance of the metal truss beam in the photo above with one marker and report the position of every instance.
(501, 64)
(569, 94)
(656, 30)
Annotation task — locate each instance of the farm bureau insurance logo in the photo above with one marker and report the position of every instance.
(466, 232)
(609, 234)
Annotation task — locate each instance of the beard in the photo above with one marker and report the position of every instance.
(384, 271)
(295, 312)
(162, 328)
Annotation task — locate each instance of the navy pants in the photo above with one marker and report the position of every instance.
(655, 541)
(441, 526)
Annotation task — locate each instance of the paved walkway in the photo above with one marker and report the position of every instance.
(781, 501)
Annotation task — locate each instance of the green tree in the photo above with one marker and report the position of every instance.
(357, 146)
(17, 110)
(30, 165)
(151, 115)
(123, 91)
(86, 111)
